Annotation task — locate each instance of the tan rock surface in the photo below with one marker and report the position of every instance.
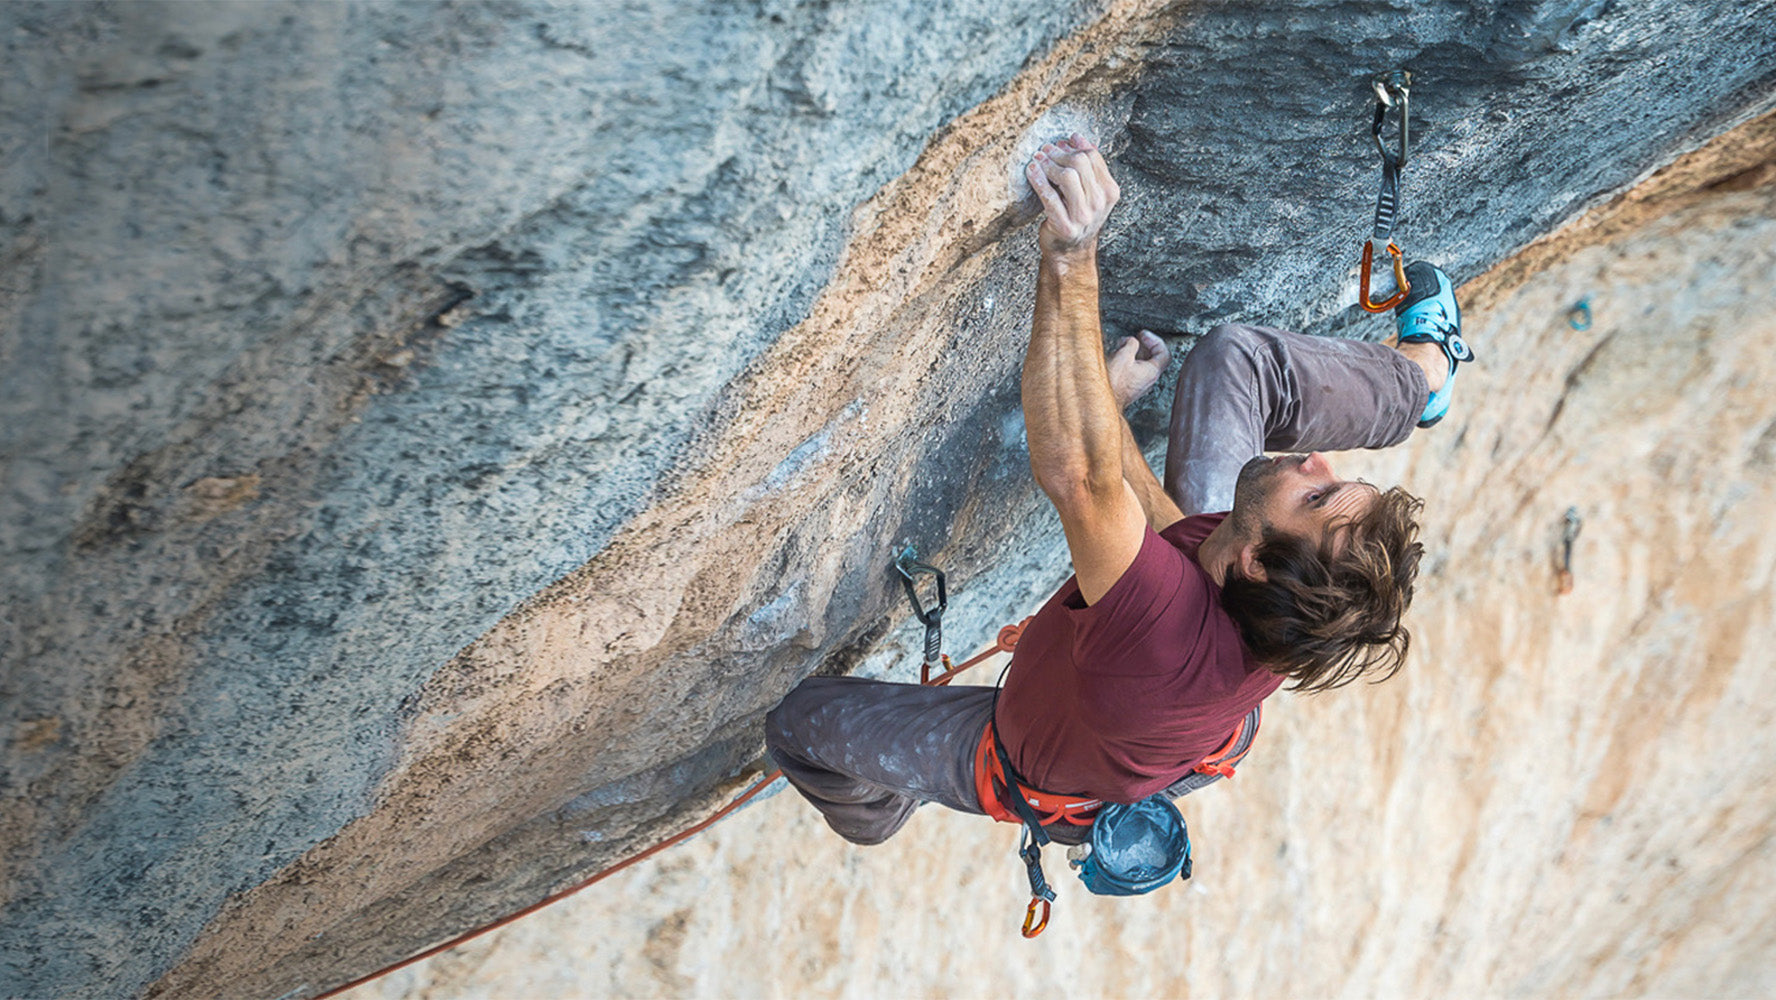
(1562, 795)
(433, 435)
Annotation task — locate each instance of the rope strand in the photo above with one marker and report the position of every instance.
(1005, 642)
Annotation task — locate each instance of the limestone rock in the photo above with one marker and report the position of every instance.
(1562, 795)
(433, 435)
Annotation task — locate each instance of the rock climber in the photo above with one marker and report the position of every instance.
(1190, 603)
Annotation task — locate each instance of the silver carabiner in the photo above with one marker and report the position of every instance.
(1391, 88)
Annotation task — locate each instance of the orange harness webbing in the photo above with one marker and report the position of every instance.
(990, 784)
(1222, 761)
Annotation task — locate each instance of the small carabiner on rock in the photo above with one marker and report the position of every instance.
(908, 565)
(1391, 89)
(1030, 917)
(1568, 535)
(1402, 286)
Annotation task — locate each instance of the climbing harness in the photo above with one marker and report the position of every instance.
(1222, 762)
(1131, 836)
(1392, 90)
(993, 781)
(993, 787)
(1135, 848)
(1138, 847)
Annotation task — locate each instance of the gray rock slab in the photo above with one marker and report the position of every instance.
(243, 230)
(329, 335)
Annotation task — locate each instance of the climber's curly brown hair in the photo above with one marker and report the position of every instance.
(1325, 616)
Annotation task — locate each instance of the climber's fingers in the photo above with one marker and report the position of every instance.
(1146, 350)
(1080, 191)
(1126, 353)
(1154, 349)
(1080, 155)
(1053, 208)
(1095, 158)
(1065, 227)
(1073, 193)
(1066, 165)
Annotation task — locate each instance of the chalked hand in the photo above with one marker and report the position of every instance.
(1077, 192)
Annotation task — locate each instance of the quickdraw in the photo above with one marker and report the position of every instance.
(1392, 90)
(1030, 850)
(909, 567)
(1033, 840)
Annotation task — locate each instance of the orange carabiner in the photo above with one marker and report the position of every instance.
(1030, 915)
(1404, 286)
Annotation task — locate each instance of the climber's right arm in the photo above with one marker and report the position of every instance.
(1071, 417)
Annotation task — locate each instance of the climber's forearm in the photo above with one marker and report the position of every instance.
(1159, 508)
(1070, 414)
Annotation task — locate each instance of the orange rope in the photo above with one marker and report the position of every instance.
(563, 894)
(1007, 640)
(1005, 643)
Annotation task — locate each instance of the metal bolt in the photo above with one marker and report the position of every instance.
(1571, 533)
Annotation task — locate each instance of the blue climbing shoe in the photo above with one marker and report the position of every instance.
(1429, 314)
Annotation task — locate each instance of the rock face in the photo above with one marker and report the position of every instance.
(1560, 796)
(434, 435)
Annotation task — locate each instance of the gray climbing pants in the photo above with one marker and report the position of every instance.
(867, 753)
(1246, 390)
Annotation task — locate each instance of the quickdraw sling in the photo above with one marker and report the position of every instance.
(1391, 90)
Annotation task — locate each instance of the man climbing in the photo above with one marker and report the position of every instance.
(1174, 627)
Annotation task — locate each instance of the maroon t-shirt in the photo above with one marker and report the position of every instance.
(1120, 699)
